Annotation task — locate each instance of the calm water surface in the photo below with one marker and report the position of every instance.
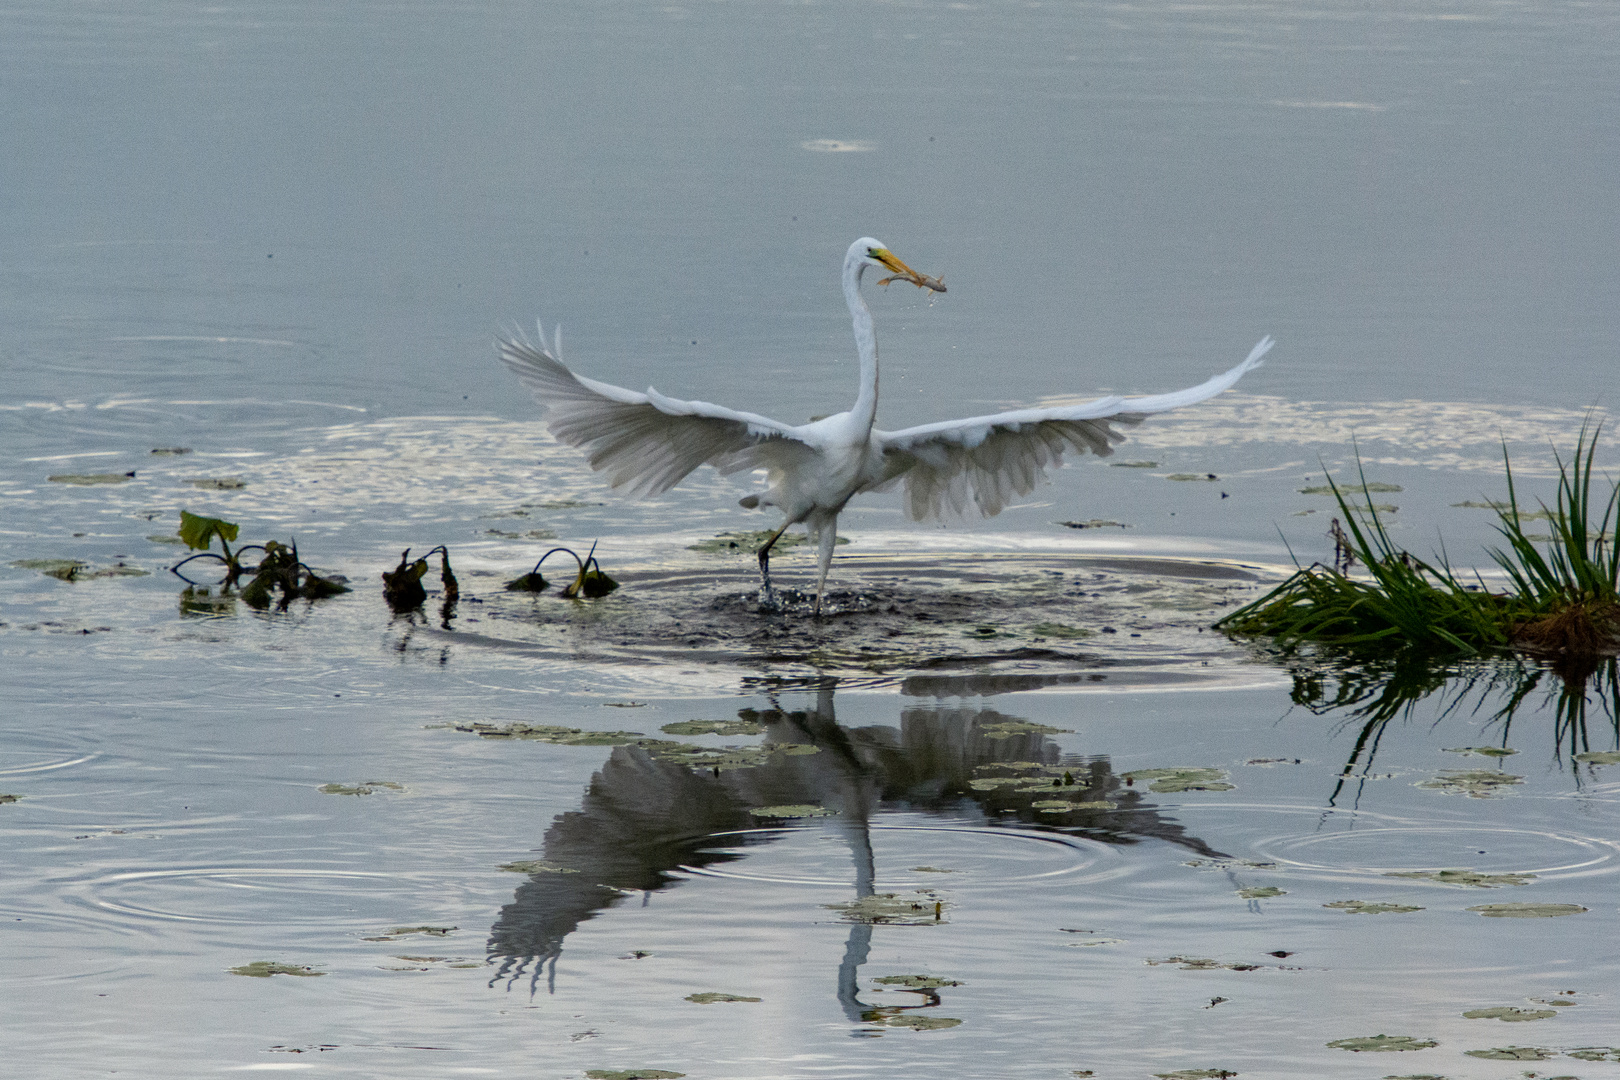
(281, 236)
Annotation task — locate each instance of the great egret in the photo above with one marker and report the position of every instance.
(647, 443)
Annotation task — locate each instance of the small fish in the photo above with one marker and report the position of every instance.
(922, 281)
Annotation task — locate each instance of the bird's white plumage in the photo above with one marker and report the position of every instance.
(647, 443)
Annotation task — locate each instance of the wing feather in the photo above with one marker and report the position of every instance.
(983, 462)
(645, 443)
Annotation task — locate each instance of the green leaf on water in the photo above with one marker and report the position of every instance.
(713, 727)
(263, 969)
(1195, 1074)
(1382, 1044)
(1468, 878)
(632, 1074)
(916, 982)
(1600, 757)
(1475, 783)
(1260, 892)
(217, 483)
(1527, 911)
(1513, 1053)
(1481, 751)
(535, 866)
(1509, 1014)
(712, 998)
(800, 810)
(87, 479)
(369, 787)
(198, 532)
(1370, 907)
(1596, 1053)
(914, 1021)
(1182, 778)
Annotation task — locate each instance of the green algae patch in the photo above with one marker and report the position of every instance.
(1261, 892)
(406, 931)
(263, 969)
(1194, 1074)
(709, 997)
(798, 810)
(713, 727)
(1201, 963)
(550, 733)
(632, 1074)
(1475, 783)
(90, 479)
(535, 866)
(365, 787)
(1595, 1053)
(1370, 907)
(1480, 751)
(1059, 630)
(1382, 1044)
(1527, 911)
(916, 982)
(1006, 729)
(914, 1021)
(1182, 778)
(1509, 1013)
(1471, 879)
(1513, 1053)
(920, 908)
(1591, 757)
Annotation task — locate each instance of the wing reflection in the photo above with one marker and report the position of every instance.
(643, 819)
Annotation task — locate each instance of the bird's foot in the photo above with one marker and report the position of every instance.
(769, 602)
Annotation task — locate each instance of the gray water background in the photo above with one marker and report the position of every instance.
(284, 236)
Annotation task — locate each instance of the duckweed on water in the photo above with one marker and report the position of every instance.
(1475, 783)
(365, 787)
(1261, 892)
(709, 997)
(801, 810)
(1370, 907)
(916, 982)
(1382, 1044)
(713, 727)
(1184, 778)
(920, 908)
(1467, 878)
(1513, 1053)
(1527, 911)
(263, 969)
(1509, 1014)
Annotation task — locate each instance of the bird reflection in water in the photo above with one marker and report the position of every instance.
(644, 821)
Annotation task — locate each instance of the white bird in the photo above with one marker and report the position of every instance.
(647, 443)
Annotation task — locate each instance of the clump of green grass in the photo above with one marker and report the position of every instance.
(1564, 601)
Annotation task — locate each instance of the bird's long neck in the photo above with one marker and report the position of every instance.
(865, 408)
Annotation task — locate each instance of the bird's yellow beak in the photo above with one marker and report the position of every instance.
(892, 261)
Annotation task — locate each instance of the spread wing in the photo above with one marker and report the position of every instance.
(984, 461)
(646, 443)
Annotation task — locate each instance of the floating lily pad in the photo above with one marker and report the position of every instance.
(912, 1020)
(1059, 630)
(9, 798)
(1064, 806)
(1183, 778)
(1194, 1074)
(1134, 464)
(1475, 783)
(1192, 476)
(632, 1074)
(798, 810)
(551, 733)
(932, 870)
(1513, 1053)
(1481, 751)
(1370, 907)
(920, 908)
(1202, 963)
(713, 727)
(1006, 729)
(709, 997)
(367, 787)
(1527, 911)
(1260, 892)
(1382, 1044)
(87, 479)
(1600, 757)
(1094, 523)
(1089, 943)
(1509, 1014)
(217, 483)
(916, 982)
(535, 866)
(263, 969)
(171, 451)
(1416, 1076)
(1371, 485)
(1230, 864)
(1596, 1053)
(1469, 878)
(406, 931)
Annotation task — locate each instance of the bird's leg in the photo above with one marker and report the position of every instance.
(824, 553)
(767, 595)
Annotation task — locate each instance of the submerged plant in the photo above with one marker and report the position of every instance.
(279, 565)
(592, 582)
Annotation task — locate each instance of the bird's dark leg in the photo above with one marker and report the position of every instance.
(767, 595)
